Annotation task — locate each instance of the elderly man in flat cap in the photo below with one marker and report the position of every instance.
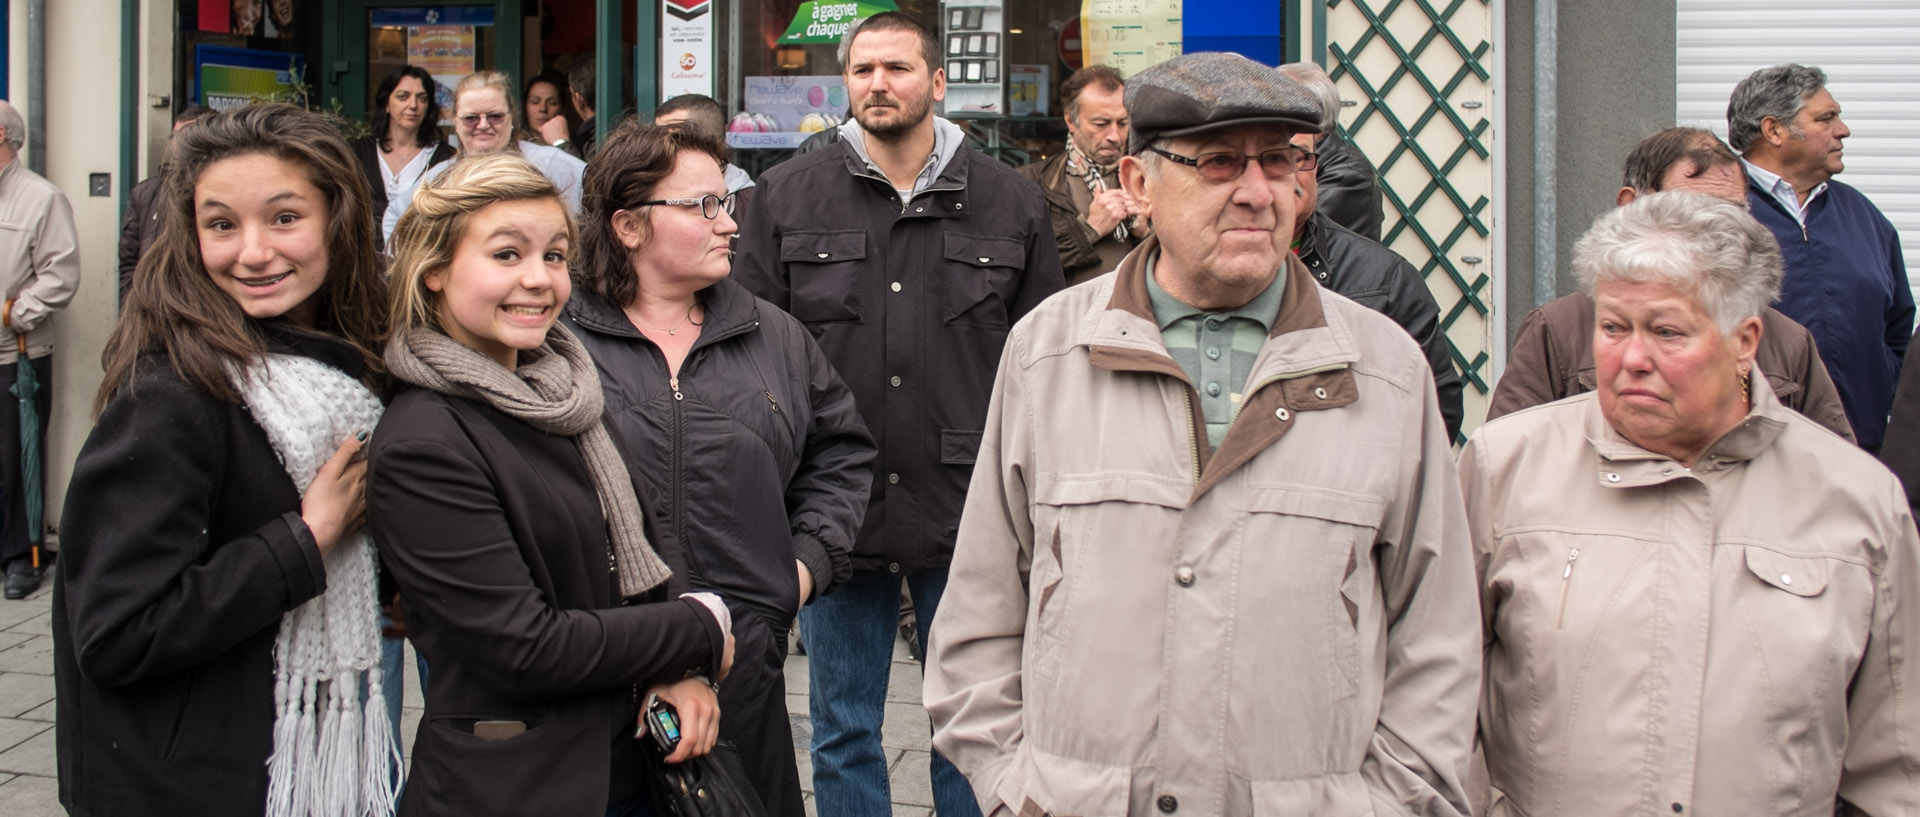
(1213, 560)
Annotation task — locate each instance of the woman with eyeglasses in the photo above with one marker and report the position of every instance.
(484, 121)
(728, 406)
(405, 139)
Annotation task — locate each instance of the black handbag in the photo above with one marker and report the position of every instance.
(711, 785)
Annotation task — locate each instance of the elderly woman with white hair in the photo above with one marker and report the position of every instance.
(1695, 600)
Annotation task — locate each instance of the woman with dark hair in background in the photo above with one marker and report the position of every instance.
(405, 138)
(549, 111)
(728, 405)
(215, 603)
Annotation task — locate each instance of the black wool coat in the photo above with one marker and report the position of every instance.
(181, 548)
(496, 536)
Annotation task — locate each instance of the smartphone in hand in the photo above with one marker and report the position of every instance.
(662, 723)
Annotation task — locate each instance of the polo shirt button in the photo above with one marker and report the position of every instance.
(1168, 804)
(1213, 390)
(893, 479)
(1213, 353)
(1213, 323)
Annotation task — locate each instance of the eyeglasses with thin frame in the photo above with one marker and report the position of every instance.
(494, 119)
(710, 205)
(1227, 166)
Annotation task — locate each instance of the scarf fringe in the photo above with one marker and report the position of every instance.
(328, 649)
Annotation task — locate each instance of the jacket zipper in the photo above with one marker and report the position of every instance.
(1566, 582)
(1193, 444)
(679, 457)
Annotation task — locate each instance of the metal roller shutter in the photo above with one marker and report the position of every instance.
(1870, 50)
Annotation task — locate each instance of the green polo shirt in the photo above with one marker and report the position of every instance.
(1216, 349)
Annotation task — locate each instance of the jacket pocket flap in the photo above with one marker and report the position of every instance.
(959, 447)
(1043, 783)
(980, 251)
(823, 248)
(1091, 489)
(1800, 576)
(1318, 503)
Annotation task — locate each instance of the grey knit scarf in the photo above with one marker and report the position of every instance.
(554, 389)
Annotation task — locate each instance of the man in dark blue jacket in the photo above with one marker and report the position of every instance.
(1846, 280)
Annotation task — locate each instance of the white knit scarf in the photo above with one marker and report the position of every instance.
(333, 751)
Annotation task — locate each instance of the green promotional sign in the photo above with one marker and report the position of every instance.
(826, 21)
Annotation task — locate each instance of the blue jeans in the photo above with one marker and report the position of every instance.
(849, 637)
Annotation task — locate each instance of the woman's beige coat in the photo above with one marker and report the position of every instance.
(1731, 639)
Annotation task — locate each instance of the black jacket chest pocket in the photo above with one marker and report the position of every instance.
(979, 277)
(824, 274)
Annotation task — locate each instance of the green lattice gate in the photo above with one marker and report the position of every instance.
(1417, 78)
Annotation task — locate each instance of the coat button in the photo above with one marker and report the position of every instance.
(1282, 414)
(1786, 579)
(1613, 477)
(893, 479)
(896, 286)
(895, 381)
(893, 567)
(1677, 808)
(919, 209)
(1184, 576)
(959, 206)
(1319, 393)
(1168, 804)
(984, 259)
(823, 255)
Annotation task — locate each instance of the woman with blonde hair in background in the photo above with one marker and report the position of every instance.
(535, 585)
(486, 119)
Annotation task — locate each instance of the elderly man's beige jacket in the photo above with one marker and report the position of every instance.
(39, 259)
(1136, 624)
(1731, 639)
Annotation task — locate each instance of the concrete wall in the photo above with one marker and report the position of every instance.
(1614, 66)
(82, 137)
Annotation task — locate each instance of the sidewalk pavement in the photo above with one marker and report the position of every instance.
(27, 787)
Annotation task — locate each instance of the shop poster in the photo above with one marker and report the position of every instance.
(228, 78)
(1130, 35)
(686, 48)
(781, 112)
(826, 21)
(1027, 89)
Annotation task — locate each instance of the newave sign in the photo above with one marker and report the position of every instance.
(826, 21)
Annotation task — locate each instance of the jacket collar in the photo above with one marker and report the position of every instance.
(729, 309)
(1304, 366)
(1622, 464)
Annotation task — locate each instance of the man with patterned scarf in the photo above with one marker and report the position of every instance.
(1094, 221)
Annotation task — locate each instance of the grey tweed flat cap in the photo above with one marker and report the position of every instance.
(1192, 93)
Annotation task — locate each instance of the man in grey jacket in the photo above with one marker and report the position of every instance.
(1213, 560)
(40, 266)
